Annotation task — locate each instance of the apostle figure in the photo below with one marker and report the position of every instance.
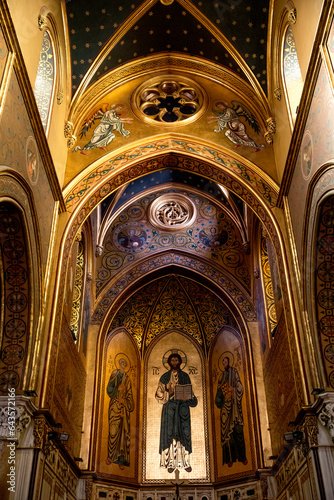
(121, 404)
(228, 399)
(175, 431)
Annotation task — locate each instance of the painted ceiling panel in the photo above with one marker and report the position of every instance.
(90, 25)
(168, 28)
(166, 176)
(245, 25)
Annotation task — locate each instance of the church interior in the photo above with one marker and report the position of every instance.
(166, 221)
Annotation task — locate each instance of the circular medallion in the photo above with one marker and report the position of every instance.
(172, 212)
(12, 354)
(326, 271)
(327, 326)
(131, 237)
(13, 249)
(326, 245)
(32, 160)
(329, 353)
(306, 154)
(331, 379)
(328, 218)
(16, 275)
(8, 380)
(9, 224)
(15, 328)
(16, 302)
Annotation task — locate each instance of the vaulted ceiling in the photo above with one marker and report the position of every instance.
(105, 35)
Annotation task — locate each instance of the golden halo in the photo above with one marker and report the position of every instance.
(226, 354)
(119, 356)
(174, 351)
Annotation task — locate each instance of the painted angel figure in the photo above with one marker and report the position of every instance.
(111, 120)
(228, 117)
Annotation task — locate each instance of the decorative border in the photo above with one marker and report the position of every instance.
(226, 284)
(225, 169)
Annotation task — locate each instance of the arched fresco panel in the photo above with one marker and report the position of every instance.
(157, 430)
(119, 409)
(234, 450)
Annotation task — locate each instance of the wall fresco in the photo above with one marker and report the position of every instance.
(132, 236)
(317, 148)
(234, 449)
(19, 151)
(117, 452)
(192, 451)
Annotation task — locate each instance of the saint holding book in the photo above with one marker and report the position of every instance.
(174, 392)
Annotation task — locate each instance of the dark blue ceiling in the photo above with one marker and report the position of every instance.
(167, 28)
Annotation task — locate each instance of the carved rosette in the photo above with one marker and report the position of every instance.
(326, 417)
(172, 212)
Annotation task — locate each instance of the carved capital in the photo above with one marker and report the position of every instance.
(326, 417)
(256, 273)
(89, 276)
(15, 419)
(78, 236)
(278, 93)
(311, 424)
(98, 250)
(292, 16)
(42, 22)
